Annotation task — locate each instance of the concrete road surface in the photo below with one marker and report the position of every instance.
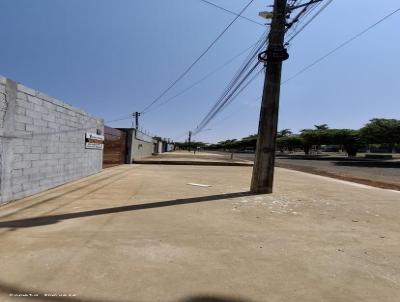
(143, 233)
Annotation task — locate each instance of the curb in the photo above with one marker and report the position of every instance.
(191, 163)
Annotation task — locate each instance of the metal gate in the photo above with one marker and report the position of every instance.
(115, 147)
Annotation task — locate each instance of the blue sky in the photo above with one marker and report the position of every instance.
(111, 58)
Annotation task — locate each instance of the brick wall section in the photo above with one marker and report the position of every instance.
(42, 142)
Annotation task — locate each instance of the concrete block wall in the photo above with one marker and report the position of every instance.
(42, 142)
(143, 146)
(139, 144)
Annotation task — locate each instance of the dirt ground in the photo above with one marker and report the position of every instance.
(156, 233)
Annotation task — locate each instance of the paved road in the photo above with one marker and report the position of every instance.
(374, 172)
(382, 171)
(143, 233)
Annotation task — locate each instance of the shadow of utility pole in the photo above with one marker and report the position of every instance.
(52, 219)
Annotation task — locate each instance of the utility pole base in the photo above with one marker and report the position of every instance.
(259, 191)
(263, 176)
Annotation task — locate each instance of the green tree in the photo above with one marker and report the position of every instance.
(321, 127)
(250, 142)
(347, 138)
(284, 132)
(381, 131)
(289, 142)
(185, 145)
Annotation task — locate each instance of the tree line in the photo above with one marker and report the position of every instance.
(377, 132)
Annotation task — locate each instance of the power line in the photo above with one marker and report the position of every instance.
(224, 98)
(231, 92)
(236, 95)
(310, 20)
(197, 60)
(231, 100)
(208, 75)
(242, 89)
(310, 2)
(306, 10)
(301, 17)
(341, 45)
(232, 12)
(247, 63)
(233, 113)
(221, 104)
(234, 85)
(210, 117)
(337, 48)
(239, 54)
(122, 118)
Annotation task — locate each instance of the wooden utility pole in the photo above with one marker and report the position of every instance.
(264, 163)
(136, 115)
(190, 141)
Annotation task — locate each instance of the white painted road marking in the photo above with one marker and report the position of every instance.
(198, 185)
